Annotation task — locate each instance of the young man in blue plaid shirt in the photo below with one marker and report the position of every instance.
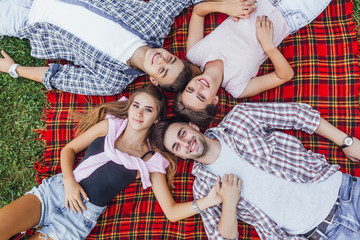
(110, 42)
(287, 192)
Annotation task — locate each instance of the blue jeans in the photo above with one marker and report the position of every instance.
(58, 222)
(346, 223)
(14, 15)
(299, 13)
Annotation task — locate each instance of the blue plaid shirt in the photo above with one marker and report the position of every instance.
(97, 73)
(250, 130)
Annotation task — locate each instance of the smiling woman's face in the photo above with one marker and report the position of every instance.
(143, 112)
(200, 92)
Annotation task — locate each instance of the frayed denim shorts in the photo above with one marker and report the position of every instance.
(58, 222)
(299, 13)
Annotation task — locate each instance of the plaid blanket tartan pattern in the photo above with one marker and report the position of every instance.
(324, 59)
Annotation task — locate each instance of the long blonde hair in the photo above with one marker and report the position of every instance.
(120, 109)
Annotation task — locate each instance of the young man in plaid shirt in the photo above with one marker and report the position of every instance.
(287, 192)
(111, 42)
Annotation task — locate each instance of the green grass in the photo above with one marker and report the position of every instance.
(21, 107)
(357, 9)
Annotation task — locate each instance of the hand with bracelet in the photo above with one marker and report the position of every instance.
(8, 65)
(212, 199)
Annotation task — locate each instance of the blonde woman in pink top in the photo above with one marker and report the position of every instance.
(231, 55)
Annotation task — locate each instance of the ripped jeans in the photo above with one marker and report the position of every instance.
(346, 223)
(299, 13)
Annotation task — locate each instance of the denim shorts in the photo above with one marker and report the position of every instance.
(14, 15)
(346, 223)
(58, 222)
(299, 13)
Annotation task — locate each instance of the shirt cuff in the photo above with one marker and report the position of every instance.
(53, 68)
(312, 120)
(197, 1)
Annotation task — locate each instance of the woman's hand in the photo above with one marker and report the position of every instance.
(265, 33)
(73, 193)
(213, 196)
(5, 62)
(238, 9)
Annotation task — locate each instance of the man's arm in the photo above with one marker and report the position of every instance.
(230, 194)
(337, 136)
(297, 116)
(69, 78)
(32, 73)
(219, 222)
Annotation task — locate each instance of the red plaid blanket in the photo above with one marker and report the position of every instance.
(324, 59)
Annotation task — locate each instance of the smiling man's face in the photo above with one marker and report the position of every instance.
(185, 141)
(162, 66)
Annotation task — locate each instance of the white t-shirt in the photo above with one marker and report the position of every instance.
(101, 33)
(236, 44)
(295, 207)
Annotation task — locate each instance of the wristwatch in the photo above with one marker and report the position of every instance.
(12, 70)
(348, 141)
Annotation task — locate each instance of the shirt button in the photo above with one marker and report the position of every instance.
(355, 179)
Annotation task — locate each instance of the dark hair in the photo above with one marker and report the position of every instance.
(188, 72)
(202, 117)
(157, 134)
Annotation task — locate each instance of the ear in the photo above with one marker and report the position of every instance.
(216, 100)
(154, 81)
(194, 126)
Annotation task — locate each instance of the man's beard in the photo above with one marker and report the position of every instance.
(205, 148)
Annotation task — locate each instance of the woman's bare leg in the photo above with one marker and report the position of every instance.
(20, 215)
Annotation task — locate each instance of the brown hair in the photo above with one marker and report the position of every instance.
(202, 117)
(120, 109)
(157, 133)
(189, 71)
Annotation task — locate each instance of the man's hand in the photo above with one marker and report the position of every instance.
(5, 62)
(73, 193)
(238, 9)
(230, 189)
(353, 152)
(265, 33)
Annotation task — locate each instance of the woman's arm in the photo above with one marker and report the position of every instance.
(178, 211)
(237, 9)
(283, 71)
(73, 190)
